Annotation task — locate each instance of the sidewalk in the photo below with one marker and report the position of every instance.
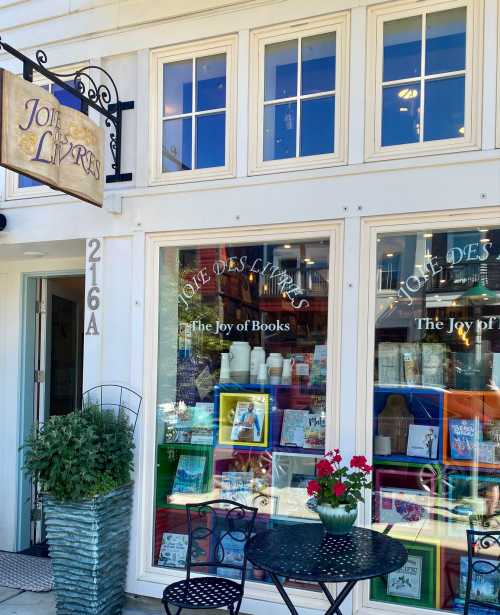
(14, 602)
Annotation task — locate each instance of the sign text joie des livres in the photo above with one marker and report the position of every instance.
(54, 144)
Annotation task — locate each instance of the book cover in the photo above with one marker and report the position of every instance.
(318, 368)
(410, 363)
(202, 419)
(314, 431)
(423, 441)
(433, 361)
(388, 363)
(248, 422)
(237, 486)
(293, 427)
(407, 581)
(173, 550)
(189, 474)
(232, 549)
(402, 505)
(465, 435)
(485, 580)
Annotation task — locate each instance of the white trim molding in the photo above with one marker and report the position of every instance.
(191, 51)
(328, 230)
(471, 139)
(338, 23)
(370, 228)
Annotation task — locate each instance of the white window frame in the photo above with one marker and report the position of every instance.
(332, 230)
(370, 229)
(338, 23)
(471, 140)
(497, 115)
(12, 189)
(192, 51)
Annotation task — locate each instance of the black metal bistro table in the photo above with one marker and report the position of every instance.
(306, 552)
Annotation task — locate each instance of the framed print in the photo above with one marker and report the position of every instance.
(416, 583)
(244, 419)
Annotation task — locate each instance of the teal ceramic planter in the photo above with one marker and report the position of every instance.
(338, 520)
(88, 545)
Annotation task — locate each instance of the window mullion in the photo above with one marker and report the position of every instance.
(299, 93)
(193, 115)
(422, 78)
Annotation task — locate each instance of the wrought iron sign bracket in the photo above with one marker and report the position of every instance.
(101, 97)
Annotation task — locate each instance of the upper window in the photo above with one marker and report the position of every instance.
(193, 115)
(423, 72)
(298, 81)
(21, 186)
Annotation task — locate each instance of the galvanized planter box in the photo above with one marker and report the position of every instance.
(88, 545)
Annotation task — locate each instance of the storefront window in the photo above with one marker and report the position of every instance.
(241, 385)
(436, 413)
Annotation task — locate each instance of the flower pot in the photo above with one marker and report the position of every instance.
(88, 545)
(338, 520)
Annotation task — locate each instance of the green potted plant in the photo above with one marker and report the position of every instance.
(82, 462)
(338, 489)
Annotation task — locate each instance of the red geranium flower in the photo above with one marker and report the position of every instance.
(366, 468)
(313, 487)
(338, 489)
(337, 450)
(358, 461)
(337, 458)
(324, 468)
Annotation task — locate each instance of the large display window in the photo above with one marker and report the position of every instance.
(244, 401)
(436, 408)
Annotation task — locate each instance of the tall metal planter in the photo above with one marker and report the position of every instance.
(88, 545)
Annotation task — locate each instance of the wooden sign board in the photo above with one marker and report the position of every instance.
(52, 143)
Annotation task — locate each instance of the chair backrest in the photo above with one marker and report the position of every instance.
(220, 529)
(483, 559)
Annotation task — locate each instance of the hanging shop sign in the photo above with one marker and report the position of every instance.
(54, 144)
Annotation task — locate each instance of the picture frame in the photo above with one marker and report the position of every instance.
(412, 586)
(243, 419)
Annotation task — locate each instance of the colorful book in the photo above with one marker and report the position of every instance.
(173, 550)
(319, 364)
(202, 419)
(293, 427)
(314, 431)
(248, 422)
(465, 435)
(232, 550)
(407, 581)
(423, 441)
(237, 487)
(485, 580)
(189, 474)
(402, 505)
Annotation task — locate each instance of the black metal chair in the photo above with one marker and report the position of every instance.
(212, 522)
(478, 563)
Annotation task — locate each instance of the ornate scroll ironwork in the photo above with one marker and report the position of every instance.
(103, 97)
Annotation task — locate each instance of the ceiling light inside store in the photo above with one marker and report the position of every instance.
(484, 240)
(427, 235)
(287, 246)
(389, 255)
(483, 230)
(403, 109)
(408, 93)
(34, 253)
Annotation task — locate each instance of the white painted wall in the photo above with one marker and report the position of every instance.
(118, 35)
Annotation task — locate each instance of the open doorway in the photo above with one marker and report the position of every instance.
(54, 346)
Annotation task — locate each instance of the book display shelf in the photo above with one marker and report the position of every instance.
(267, 466)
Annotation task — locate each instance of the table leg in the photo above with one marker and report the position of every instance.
(327, 593)
(335, 608)
(284, 595)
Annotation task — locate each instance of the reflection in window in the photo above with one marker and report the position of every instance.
(436, 84)
(436, 409)
(241, 384)
(194, 114)
(299, 97)
(65, 98)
